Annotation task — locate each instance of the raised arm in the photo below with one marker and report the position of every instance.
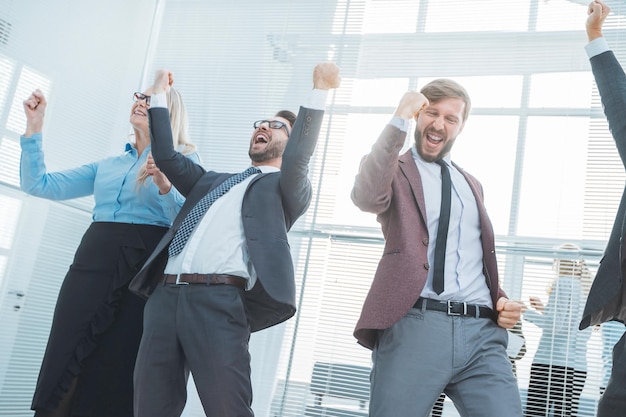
(609, 76)
(294, 182)
(180, 170)
(372, 187)
(34, 179)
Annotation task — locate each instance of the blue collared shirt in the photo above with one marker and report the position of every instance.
(112, 181)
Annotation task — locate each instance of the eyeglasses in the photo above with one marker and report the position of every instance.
(273, 124)
(137, 96)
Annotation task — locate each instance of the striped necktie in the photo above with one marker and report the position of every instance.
(196, 213)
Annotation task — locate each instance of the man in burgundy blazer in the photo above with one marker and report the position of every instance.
(425, 342)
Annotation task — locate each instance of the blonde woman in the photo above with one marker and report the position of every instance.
(559, 367)
(87, 368)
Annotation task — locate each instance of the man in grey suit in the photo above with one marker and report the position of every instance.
(227, 269)
(606, 300)
(435, 324)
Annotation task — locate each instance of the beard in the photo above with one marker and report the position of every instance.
(419, 141)
(273, 150)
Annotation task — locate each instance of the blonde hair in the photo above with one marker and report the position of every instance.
(180, 129)
(572, 268)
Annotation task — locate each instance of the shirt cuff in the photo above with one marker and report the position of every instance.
(158, 100)
(31, 143)
(596, 47)
(317, 99)
(400, 123)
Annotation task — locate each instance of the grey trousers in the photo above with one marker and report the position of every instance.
(613, 401)
(199, 329)
(428, 352)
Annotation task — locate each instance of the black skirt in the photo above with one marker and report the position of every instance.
(97, 323)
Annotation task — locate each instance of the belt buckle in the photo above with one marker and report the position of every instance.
(179, 282)
(452, 313)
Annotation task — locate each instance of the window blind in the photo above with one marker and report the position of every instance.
(536, 138)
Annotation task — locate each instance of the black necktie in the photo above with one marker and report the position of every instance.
(442, 229)
(196, 213)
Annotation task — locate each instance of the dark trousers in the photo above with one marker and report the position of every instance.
(199, 329)
(613, 401)
(554, 386)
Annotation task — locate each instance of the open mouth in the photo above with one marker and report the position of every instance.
(261, 138)
(434, 138)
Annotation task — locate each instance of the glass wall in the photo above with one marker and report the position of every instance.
(536, 139)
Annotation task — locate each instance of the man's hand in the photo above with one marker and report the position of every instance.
(159, 178)
(509, 312)
(411, 103)
(163, 80)
(35, 109)
(326, 76)
(597, 13)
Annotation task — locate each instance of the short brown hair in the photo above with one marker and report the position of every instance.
(289, 115)
(441, 88)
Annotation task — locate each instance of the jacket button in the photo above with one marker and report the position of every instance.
(427, 266)
(425, 241)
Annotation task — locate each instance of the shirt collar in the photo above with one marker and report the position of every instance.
(417, 157)
(130, 147)
(267, 169)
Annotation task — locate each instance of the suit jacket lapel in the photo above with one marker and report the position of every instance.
(409, 169)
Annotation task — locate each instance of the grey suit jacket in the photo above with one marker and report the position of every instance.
(606, 299)
(391, 187)
(271, 205)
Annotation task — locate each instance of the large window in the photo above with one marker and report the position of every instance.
(537, 140)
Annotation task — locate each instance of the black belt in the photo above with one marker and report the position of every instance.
(455, 308)
(206, 279)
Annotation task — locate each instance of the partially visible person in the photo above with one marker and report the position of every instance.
(224, 269)
(559, 367)
(87, 367)
(435, 315)
(606, 301)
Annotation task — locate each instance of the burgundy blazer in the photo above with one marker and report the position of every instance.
(391, 187)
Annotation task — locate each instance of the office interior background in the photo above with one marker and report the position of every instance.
(536, 138)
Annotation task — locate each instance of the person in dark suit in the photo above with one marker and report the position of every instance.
(606, 297)
(232, 274)
(433, 332)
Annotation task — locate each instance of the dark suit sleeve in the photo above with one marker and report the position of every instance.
(181, 171)
(605, 298)
(295, 186)
(611, 82)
